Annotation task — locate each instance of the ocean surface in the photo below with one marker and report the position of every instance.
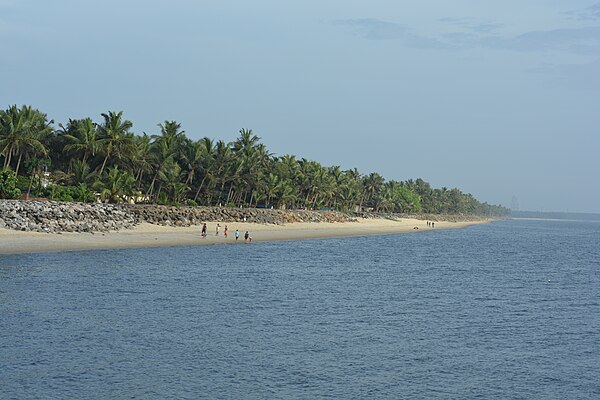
(509, 310)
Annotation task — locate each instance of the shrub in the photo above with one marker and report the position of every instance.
(8, 185)
(83, 194)
(22, 182)
(70, 193)
(59, 193)
(163, 200)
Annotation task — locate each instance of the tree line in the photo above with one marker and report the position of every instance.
(87, 159)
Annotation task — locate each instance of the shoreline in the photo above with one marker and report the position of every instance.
(147, 235)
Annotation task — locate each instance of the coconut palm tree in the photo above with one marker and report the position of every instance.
(141, 159)
(22, 132)
(114, 138)
(171, 137)
(13, 125)
(82, 136)
(207, 159)
(246, 142)
(165, 150)
(83, 174)
(192, 154)
(272, 187)
(116, 186)
(372, 185)
(171, 178)
(222, 165)
(286, 195)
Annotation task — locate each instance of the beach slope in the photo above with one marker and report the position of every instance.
(149, 235)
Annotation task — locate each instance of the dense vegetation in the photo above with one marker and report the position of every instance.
(86, 158)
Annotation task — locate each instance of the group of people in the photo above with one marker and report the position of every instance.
(247, 237)
(431, 224)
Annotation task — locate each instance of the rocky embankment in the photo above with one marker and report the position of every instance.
(54, 217)
(186, 216)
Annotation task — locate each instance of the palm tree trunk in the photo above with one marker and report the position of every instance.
(223, 186)
(188, 181)
(151, 188)
(139, 179)
(8, 158)
(229, 195)
(18, 165)
(199, 188)
(158, 191)
(103, 164)
(30, 184)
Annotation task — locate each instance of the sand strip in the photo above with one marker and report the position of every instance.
(148, 235)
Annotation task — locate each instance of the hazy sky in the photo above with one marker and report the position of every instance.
(498, 98)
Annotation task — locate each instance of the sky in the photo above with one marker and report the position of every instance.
(499, 99)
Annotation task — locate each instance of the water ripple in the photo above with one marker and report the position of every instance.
(507, 310)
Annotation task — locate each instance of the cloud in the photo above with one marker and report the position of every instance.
(472, 24)
(486, 27)
(586, 14)
(578, 40)
(473, 33)
(375, 29)
(582, 41)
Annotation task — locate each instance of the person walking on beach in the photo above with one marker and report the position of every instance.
(433, 224)
(226, 232)
(217, 230)
(246, 236)
(204, 231)
(237, 235)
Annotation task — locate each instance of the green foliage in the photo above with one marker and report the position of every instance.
(170, 168)
(116, 186)
(163, 200)
(191, 203)
(22, 132)
(8, 185)
(83, 194)
(22, 182)
(79, 193)
(60, 193)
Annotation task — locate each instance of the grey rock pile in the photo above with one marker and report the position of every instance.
(54, 217)
(186, 216)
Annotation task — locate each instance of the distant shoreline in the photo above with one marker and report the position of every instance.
(555, 219)
(148, 235)
(555, 215)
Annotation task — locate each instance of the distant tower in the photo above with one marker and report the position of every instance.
(514, 204)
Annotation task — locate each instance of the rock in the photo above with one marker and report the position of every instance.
(52, 216)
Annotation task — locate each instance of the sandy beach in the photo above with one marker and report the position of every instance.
(148, 235)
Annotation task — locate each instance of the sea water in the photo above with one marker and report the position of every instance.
(499, 311)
